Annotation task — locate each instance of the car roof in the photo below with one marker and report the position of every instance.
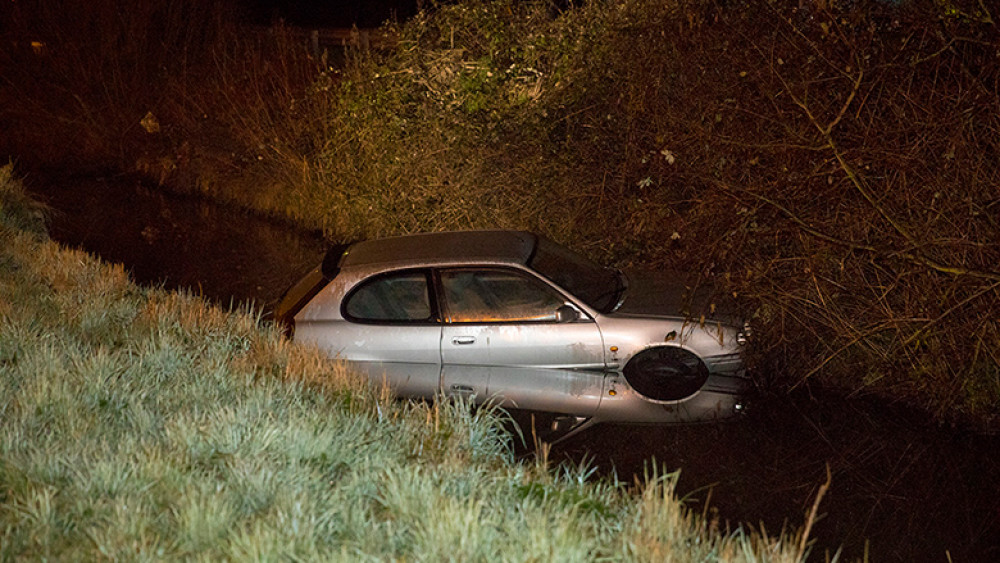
(502, 246)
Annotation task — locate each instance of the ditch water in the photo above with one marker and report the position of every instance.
(181, 242)
(901, 489)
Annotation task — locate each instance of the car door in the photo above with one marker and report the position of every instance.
(390, 330)
(504, 339)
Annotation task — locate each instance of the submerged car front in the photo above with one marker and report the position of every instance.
(672, 355)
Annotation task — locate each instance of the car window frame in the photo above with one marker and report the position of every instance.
(442, 301)
(435, 318)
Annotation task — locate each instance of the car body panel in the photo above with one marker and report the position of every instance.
(532, 366)
(407, 358)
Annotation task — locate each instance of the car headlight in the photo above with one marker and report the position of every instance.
(743, 336)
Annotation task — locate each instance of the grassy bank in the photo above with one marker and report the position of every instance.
(833, 164)
(141, 424)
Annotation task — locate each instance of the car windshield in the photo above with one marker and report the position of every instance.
(598, 287)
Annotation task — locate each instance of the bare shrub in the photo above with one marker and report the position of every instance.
(857, 169)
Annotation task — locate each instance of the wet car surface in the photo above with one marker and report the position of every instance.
(515, 319)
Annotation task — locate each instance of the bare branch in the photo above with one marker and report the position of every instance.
(804, 541)
(859, 338)
(911, 257)
(952, 309)
(847, 104)
(796, 219)
(861, 187)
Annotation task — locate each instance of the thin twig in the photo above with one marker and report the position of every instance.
(863, 336)
(843, 108)
(951, 310)
(917, 259)
(812, 513)
(801, 223)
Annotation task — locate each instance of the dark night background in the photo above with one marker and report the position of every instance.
(330, 13)
(343, 13)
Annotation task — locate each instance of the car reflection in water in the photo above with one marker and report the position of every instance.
(513, 318)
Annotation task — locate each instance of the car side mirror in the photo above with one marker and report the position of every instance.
(567, 314)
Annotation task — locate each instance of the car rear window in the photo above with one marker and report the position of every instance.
(400, 296)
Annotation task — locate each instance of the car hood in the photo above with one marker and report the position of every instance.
(675, 295)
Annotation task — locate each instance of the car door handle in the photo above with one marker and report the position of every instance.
(462, 388)
(460, 340)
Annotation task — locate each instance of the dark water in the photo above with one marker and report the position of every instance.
(912, 491)
(188, 242)
(902, 489)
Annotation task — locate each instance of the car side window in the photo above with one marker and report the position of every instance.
(399, 297)
(495, 295)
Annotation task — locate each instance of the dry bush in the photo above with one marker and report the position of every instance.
(856, 165)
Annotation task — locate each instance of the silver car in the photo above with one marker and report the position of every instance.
(513, 318)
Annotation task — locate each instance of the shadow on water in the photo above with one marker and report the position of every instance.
(912, 491)
(226, 255)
